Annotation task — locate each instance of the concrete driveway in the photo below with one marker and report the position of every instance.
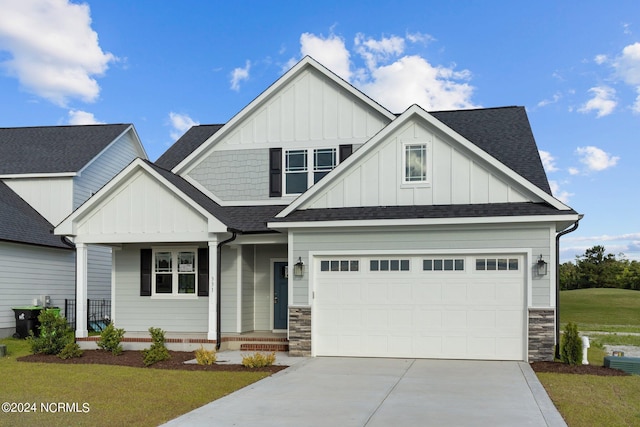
(386, 392)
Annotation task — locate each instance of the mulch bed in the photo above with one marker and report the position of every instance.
(133, 358)
(563, 368)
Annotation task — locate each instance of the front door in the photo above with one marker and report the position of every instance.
(280, 295)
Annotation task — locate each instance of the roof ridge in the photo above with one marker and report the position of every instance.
(65, 126)
(476, 109)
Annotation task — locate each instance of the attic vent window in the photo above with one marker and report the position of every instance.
(415, 163)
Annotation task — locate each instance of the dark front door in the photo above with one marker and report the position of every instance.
(280, 295)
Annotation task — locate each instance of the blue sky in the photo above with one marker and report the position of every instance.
(164, 66)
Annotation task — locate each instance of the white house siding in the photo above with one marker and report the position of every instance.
(455, 175)
(51, 197)
(30, 272)
(439, 239)
(265, 254)
(248, 288)
(137, 314)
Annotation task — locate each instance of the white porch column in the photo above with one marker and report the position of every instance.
(213, 289)
(81, 290)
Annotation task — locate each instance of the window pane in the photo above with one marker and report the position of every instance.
(355, 265)
(324, 159)
(459, 265)
(163, 261)
(416, 163)
(344, 265)
(186, 283)
(163, 284)
(373, 265)
(395, 265)
(437, 264)
(384, 265)
(317, 176)
(491, 264)
(296, 160)
(324, 265)
(480, 264)
(296, 183)
(448, 264)
(502, 264)
(335, 266)
(186, 262)
(513, 264)
(404, 265)
(427, 265)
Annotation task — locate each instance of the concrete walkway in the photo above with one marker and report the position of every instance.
(386, 392)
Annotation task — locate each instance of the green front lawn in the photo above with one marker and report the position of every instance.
(115, 395)
(611, 310)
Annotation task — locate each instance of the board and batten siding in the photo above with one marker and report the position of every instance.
(137, 314)
(51, 197)
(455, 176)
(434, 239)
(30, 272)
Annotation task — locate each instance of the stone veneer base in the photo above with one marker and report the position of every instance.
(542, 334)
(300, 331)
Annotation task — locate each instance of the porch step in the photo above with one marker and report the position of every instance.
(264, 347)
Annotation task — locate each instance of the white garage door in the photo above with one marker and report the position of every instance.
(453, 307)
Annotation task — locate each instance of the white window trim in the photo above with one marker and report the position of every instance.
(311, 167)
(174, 281)
(427, 181)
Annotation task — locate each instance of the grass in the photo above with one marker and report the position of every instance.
(116, 395)
(616, 310)
(616, 339)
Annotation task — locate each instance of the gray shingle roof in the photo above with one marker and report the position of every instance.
(53, 149)
(184, 146)
(504, 133)
(20, 223)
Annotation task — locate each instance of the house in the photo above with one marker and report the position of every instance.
(317, 219)
(45, 173)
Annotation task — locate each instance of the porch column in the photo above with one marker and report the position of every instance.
(81, 290)
(213, 289)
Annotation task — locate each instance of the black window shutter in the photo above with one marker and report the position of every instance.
(145, 272)
(345, 151)
(275, 172)
(203, 272)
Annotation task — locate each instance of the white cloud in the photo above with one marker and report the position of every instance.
(240, 74)
(330, 52)
(79, 117)
(420, 38)
(54, 53)
(627, 65)
(600, 59)
(636, 105)
(548, 161)
(390, 75)
(556, 97)
(559, 194)
(180, 123)
(574, 171)
(596, 159)
(603, 101)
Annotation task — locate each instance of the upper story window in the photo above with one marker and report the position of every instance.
(174, 272)
(303, 168)
(415, 163)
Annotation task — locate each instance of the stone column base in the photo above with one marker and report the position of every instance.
(300, 331)
(542, 334)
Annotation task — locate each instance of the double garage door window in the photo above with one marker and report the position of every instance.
(420, 306)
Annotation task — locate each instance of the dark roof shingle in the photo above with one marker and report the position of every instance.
(184, 146)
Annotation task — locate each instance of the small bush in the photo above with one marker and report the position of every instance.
(571, 349)
(70, 350)
(55, 334)
(206, 357)
(258, 360)
(157, 352)
(110, 339)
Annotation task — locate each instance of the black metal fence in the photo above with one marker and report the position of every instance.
(98, 313)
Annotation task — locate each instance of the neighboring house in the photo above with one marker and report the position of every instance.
(46, 173)
(317, 213)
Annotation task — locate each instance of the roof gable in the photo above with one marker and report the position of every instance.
(184, 146)
(55, 149)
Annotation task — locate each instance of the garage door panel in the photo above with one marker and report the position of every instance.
(427, 314)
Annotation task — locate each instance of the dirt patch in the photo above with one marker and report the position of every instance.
(133, 358)
(563, 368)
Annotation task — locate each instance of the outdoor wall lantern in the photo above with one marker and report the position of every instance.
(298, 268)
(542, 266)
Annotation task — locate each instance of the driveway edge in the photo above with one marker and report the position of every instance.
(549, 411)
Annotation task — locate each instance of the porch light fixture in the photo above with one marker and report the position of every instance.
(541, 266)
(298, 268)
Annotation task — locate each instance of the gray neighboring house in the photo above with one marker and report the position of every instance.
(318, 221)
(45, 173)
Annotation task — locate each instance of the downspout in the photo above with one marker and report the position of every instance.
(219, 287)
(558, 236)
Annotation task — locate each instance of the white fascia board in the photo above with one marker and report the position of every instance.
(424, 221)
(185, 165)
(114, 239)
(39, 175)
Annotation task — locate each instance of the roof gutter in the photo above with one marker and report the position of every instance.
(219, 287)
(558, 236)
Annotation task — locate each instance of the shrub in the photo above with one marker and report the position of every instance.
(110, 339)
(258, 360)
(571, 349)
(55, 334)
(206, 357)
(70, 350)
(157, 352)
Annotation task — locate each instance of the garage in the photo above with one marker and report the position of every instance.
(426, 306)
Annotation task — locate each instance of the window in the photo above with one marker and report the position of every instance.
(299, 175)
(496, 264)
(340, 265)
(174, 272)
(415, 163)
(448, 264)
(389, 265)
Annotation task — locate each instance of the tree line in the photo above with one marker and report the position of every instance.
(597, 269)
